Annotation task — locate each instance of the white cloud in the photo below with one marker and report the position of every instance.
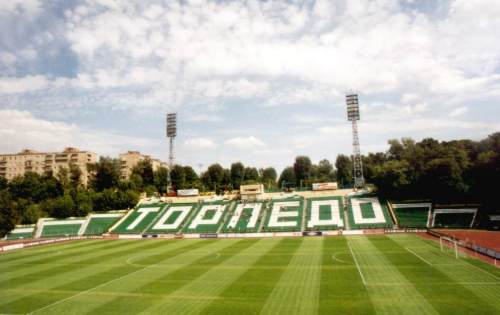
(459, 111)
(199, 143)
(245, 142)
(20, 129)
(25, 7)
(204, 118)
(23, 84)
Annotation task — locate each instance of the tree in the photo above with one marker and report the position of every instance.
(325, 172)
(63, 176)
(213, 177)
(144, 169)
(178, 177)
(192, 179)
(63, 207)
(251, 175)
(9, 217)
(303, 169)
(287, 178)
(161, 179)
(268, 177)
(83, 203)
(343, 164)
(106, 173)
(75, 175)
(3, 183)
(237, 174)
(390, 178)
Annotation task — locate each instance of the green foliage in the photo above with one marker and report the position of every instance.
(9, 217)
(237, 174)
(144, 169)
(344, 166)
(106, 173)
(303, 170)
(268, 177)
(63, 207)
(287, 178)
(161, 179)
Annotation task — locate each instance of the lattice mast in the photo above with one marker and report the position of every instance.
(171, 134)
(353, 117)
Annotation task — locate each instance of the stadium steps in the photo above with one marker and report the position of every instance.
(345, 208)
(393, 215)
(263, 216)
(229, 213)
(156, 219)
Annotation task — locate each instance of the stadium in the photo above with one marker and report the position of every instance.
(227, 93)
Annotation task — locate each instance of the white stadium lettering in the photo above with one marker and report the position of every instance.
(358, 214)
(143, 214)
(161, 225)
(199, 219)
(256, 207)
(334, 211)
(277, 214)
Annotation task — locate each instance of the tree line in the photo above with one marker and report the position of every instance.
(458, 171)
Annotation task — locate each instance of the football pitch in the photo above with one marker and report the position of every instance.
(388, 274)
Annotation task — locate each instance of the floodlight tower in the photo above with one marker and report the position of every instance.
(171, 134)
(353, 116)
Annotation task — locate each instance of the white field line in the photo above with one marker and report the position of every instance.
(420, 257)
(356, 262)
(91, 289)
(334, 257)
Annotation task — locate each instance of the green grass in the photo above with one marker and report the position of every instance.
(395, 274)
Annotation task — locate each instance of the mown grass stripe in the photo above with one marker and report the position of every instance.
(49, 251)
(195, 295)
(297, 291)
(18, 275)
(176, 281)
(37, 251)
(114, 297)
(482, 287)
(453, 298)
(77, 274)
(248, 293)
(34, 265)
(73, 303)
(342, 290)
(397, 295)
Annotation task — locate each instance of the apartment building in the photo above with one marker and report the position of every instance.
(130, 159)
(12, 165)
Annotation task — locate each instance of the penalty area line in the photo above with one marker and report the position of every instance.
(357, 265)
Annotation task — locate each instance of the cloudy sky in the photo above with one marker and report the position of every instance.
(256, 81)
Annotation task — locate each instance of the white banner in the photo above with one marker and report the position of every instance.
(324, 186)
(188, 192)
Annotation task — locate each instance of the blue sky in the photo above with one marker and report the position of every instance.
(255, 81)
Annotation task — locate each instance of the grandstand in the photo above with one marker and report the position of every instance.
(21, 232)
(324, 213)
(366, 211)
(173, 219)
(207, 218)
(412, 215)
(454, 217)
(246, 217)
(139, 219)
(285, 215)
(58, 228)
(99, 223)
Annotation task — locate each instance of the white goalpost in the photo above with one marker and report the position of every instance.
(443, 246)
